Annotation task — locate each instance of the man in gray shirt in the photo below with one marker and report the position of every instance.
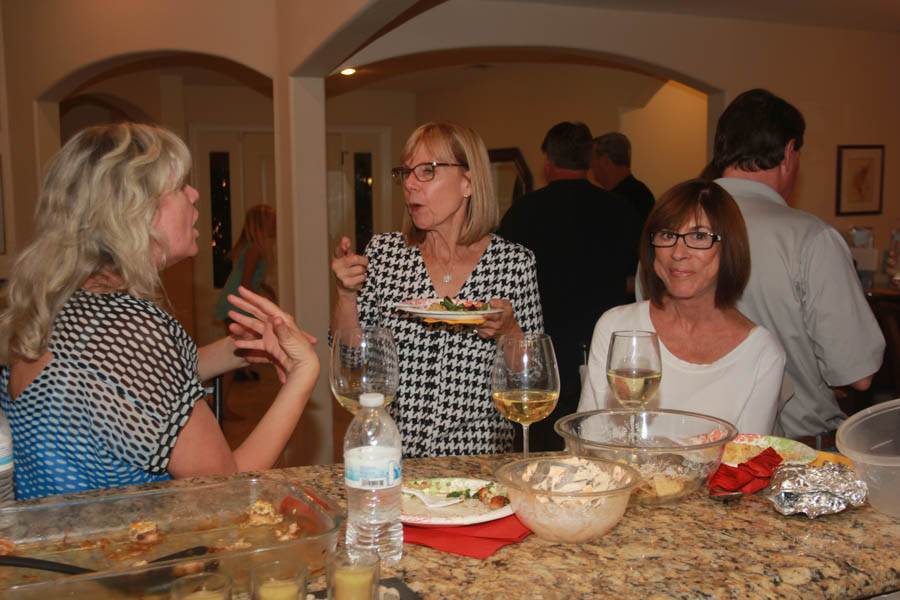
(803, 286)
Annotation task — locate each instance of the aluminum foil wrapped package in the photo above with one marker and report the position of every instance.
(815, 491)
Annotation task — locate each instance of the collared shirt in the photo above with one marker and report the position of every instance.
(804, 289)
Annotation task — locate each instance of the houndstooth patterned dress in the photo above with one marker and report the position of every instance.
(107, 409)
(443, 404)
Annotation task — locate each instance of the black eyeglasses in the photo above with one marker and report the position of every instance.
(423, 171)
(698, 240)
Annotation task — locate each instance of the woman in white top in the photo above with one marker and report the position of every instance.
(695, 263)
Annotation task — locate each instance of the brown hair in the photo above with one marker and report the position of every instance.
(678, 206)
(453, 143)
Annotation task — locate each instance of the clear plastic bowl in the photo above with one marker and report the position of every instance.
(675, 451)
(569, 511)
(871, 440)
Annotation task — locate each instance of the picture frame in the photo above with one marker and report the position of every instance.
(860, 180)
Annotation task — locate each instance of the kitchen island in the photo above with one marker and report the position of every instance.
(699, 548)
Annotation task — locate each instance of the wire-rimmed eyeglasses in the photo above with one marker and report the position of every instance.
(423, 171)
(698, 240)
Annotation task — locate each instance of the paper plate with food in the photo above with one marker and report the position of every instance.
(747, 445)
(448, 310)
(480, 501)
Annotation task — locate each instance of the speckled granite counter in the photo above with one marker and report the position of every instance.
(699, 548)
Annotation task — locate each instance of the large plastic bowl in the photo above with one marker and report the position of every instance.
(871, 440)
(675, 451)
(568, 510)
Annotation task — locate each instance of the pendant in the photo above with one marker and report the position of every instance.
(447, 278)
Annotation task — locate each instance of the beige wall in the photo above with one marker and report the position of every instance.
(517, 106)
(668, 136)
(843, 80)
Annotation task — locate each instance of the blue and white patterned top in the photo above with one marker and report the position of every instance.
(108, 407)
(443, 404)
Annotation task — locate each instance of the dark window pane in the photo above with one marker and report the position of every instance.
(362, 194)
(220, 200)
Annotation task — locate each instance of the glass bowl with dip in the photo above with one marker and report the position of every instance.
(568, 499)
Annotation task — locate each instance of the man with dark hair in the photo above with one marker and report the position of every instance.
(585, 241)
(803, 286)
(612, 170)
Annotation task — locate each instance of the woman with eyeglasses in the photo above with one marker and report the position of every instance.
(443, 404)
(695, 263)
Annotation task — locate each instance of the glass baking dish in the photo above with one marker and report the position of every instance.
(94, 533)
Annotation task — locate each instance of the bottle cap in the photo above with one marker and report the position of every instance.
(371, 399)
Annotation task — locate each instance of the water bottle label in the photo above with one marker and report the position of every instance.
(372, 468)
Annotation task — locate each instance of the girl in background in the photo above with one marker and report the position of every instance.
(252, 255)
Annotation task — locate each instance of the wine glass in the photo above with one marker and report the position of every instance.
(363, 359)
(525, 379)
(633, 370)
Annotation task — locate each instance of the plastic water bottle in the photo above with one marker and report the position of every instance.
(7, 491)
(372, 474)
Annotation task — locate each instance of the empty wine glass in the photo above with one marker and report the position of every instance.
(363, 359)
(633, 370)
(525, 379)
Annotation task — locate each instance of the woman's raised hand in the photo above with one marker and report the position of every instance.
(271, 335)
(348, 268)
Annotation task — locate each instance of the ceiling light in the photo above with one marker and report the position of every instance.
(348, 71)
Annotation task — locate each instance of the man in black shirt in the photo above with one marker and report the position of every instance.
(612, 170)
(585, 241)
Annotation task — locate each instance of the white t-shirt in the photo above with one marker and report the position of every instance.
(742, 387)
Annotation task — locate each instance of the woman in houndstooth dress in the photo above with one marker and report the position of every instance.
(443, 404)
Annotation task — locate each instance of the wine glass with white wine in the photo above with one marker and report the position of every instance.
(363, 360)
(633, 370)
(525, 379)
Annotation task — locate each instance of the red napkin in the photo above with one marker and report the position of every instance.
(747, 477)
(478, 541)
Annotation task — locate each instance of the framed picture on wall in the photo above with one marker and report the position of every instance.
(860, 180)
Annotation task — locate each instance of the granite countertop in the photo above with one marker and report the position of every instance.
(698, 548)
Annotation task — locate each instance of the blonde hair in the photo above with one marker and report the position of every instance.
(94, 217)
(255, 232)
(454, 143)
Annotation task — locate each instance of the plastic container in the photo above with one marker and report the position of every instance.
(94, 533)
(871, 440)
(7, 491)
(373, 474)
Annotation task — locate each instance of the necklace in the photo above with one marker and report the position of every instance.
(448, 266)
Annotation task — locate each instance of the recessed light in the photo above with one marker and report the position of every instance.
(348, 71)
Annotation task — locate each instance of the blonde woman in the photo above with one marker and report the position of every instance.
(103, 385)
(443, 404)
(252, 255)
